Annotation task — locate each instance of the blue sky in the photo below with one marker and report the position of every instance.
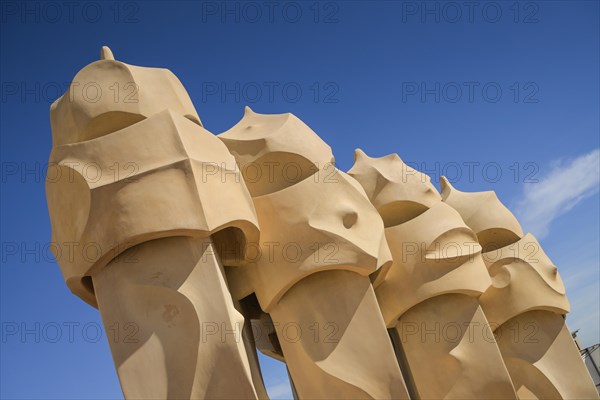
(497, 95)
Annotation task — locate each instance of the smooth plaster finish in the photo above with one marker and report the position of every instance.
(161, 186)
(430, 294)
(320, 240)
(526, 302)
(339, 262)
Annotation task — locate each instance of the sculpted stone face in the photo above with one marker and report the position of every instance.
(434, 282)
(526, 302)
(434, 252)
(523, 279)
(104, 182)
(313, 217)
(139, 181)
(320, 240)
(483, 212)
(275, 151)
(398, 191)
(340, 230)
(109, 95)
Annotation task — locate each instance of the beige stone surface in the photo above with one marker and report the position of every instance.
(276, 151)
(187, 340)
(113, 192)
(434, 253)
(153, 193)
(398, 191)
(367, 285)
(451, 333)
(334, 340)
(301, 235)
(429, 297)
(108, 95)
(483, 212)
(526, 303)
(320, 240)
(523, 279)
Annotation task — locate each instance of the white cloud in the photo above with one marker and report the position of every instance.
(558, 192)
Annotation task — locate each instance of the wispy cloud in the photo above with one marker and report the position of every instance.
(558, 192)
